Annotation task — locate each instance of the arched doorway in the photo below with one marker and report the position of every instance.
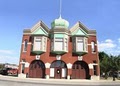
(37, 69)
(58, 70)
(80, 70)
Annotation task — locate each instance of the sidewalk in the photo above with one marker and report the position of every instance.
(58, 81)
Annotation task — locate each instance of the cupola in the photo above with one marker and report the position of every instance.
(59, 23)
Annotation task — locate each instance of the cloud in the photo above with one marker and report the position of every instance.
(6, 51)
(9, 59)
(108, 41)
(119, 40)
(107, 44)
(9, 56)
(110, 46)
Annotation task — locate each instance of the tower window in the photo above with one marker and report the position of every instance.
(59, 44)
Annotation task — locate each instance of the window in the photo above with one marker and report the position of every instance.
(37, 43)
(23, 68)
(52, 44)
(25, 45)
(40, 43)
(86, 46)
(80, 44)
(66, 44)
(59, 44)
(93, 46)
(95, 69)
(45, 43)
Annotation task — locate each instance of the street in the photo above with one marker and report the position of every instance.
(16, 81)
(22, 83)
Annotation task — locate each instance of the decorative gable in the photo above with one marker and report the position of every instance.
(40, 29)
(79, 31)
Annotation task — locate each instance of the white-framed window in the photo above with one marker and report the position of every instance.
(93, 46)
(37, 43)
(80, 44)
(66, 44)
(25, 45)
(85, 45)
(44, 43)
(52, 44)
(40, 43)
(58, 44)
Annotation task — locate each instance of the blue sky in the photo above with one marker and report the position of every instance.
(16, 15)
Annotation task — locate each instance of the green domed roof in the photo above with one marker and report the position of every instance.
(60, 23)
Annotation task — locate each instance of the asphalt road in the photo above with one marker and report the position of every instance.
(22, 83)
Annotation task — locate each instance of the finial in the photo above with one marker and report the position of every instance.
(60, 9)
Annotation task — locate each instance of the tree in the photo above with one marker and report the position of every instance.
(108, 63)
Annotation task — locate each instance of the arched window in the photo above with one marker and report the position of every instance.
(93, 46)
(25, 45)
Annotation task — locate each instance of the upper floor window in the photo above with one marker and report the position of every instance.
(59, 44)
(25, 45)
(93, 46)
(37, 43)
(80, 44)
(40, 43)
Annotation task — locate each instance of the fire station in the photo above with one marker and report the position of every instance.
(59, 52)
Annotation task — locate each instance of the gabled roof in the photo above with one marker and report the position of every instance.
(39, 28)
(80, 29)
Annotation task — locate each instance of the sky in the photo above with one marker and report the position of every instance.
(17, 15)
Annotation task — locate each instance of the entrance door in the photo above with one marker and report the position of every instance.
(58, 70)
(58, 73)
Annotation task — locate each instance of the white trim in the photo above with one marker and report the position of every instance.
(37, 57)
(89, 44)
(58, 57)
(69, 66)
(91, 34)
(47, 65)
(91, 65)
(27, 64)
(47, 76)
(26, 33)
(80, 58)
(27, 43)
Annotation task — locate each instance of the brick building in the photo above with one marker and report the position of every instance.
(59, 52)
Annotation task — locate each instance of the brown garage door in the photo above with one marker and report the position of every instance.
(80, 70)
(37, 69)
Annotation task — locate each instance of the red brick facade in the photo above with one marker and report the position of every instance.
(91, 58)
